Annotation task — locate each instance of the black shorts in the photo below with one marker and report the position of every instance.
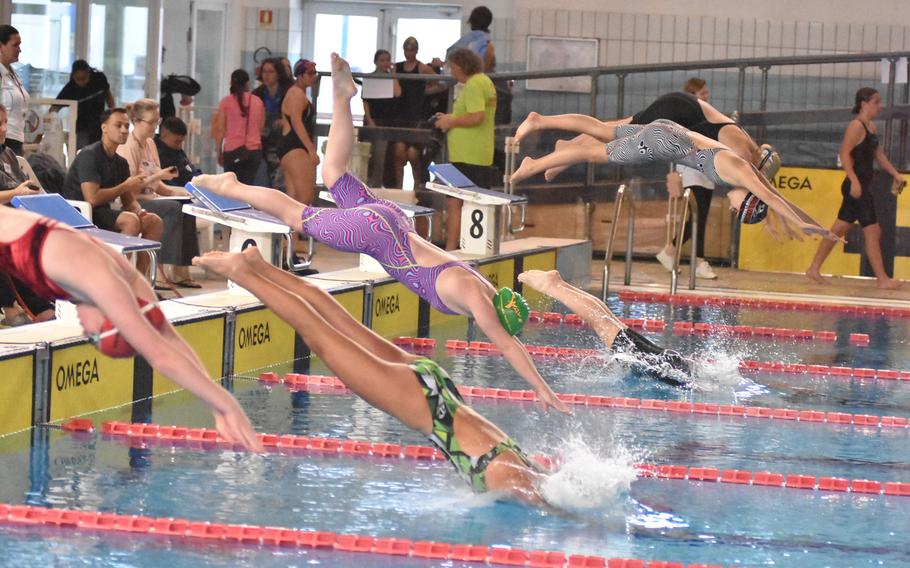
(105, 218)
(860, 210)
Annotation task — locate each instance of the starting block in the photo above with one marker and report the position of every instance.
(368, 263)
(54, 206)
(248, 226)
(481, 216)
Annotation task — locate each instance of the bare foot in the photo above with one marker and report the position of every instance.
(525, 170)
(530, 124)
(551, 173)
(226, 264)
(540, 279)
(815, 276)
(216, 183)
(252, 256)
(343, 87)
(888, 284)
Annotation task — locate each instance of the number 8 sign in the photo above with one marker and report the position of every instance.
(478, 231)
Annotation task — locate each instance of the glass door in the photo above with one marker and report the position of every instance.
(207, 68)
(118, 45)
(48, 44)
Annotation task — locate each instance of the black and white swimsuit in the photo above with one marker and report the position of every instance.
(663, 141)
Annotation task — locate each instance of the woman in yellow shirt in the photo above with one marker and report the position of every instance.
(469, 130)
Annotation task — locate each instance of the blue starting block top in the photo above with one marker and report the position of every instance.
(450, 176)
(227, 206)
(53, 206)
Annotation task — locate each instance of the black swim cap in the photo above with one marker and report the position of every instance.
(753, 210)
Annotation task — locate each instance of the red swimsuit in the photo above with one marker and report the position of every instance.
(22, 259)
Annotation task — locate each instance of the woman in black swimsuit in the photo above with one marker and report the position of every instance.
(698, 116)
(296, 149)
(858, 152)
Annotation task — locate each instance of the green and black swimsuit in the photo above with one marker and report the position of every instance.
(444, 401)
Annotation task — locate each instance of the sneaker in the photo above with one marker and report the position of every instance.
(703, 270)
(665, 259)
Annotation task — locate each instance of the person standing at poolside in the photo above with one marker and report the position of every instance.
(13, 92)
(859, 151)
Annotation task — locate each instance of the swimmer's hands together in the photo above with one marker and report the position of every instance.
(550, 400)
(233, 425)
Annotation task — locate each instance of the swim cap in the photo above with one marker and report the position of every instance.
(753, 210)
(512, 309)
(770, 161)
(111, 343)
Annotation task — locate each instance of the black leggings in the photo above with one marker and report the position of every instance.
(12, 290)
(703, 197)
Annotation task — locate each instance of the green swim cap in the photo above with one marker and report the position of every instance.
(512, 309)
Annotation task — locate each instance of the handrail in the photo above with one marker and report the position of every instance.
(511, 151)
(736, 63)
(692, 209)
(608, 254)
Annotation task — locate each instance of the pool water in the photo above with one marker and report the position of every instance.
(651, 519)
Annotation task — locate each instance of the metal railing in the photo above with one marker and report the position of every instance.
(630, 231)
(690, 208)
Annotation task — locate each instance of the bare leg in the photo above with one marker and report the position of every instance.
(399, 159)
(872, 235)
(594, 312)
(825, 247)
(265, 199)
(580, 123)
(551, 174)
(329, 309)
(390, 387)
(341, 132)
(593, 151)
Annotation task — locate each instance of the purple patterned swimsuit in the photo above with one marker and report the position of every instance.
(379, 228)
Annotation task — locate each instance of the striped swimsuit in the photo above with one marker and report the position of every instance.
(378, 228)
(662, 141)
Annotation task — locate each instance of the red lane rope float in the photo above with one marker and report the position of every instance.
(334, 385)
(293, 538)
(705, 300)
(686, 328)
(204, 438)
(746, 365)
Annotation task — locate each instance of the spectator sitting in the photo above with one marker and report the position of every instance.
(169, 142)
(180, 243)
(90, 88)
(48, 171)
(20, 304)
(98, 175)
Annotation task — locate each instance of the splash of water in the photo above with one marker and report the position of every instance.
(586, 480)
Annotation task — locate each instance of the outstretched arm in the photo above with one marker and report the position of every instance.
(165, 351)
(593, 311)
(515, 353)
(740, 173)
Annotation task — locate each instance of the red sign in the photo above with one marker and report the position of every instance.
(265, 18)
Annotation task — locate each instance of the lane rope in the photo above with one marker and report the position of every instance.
(254, 535)
(707, 300)
(208, 439)
(568, 353)
(700, 328)
(333, 385)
